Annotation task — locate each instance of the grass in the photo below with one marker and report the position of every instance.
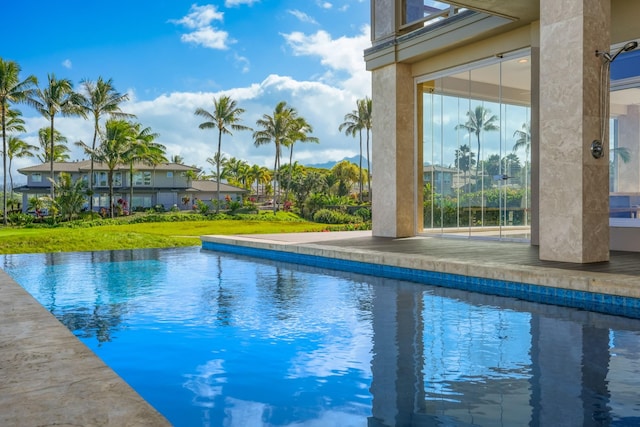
(138, 236)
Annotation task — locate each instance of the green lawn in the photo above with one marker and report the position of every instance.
(136, 236)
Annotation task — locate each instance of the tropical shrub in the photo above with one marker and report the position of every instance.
(19, 218)
(328, 216)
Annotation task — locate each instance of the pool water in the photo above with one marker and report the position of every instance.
(211, 339)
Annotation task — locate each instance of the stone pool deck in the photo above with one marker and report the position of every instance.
(48, 377)
(498, 263)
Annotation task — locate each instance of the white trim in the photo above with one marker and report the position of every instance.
(624, 222)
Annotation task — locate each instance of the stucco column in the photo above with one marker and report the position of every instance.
(393, 167)
(574, 187)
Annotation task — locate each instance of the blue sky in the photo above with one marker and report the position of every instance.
(173, 57)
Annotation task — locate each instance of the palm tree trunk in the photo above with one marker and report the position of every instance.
(110, 177)
(290, 171)
(4, 166)
(218, 160)
(10, 181)
(131, 188)
(275, 181)
(91, 179)
(478, 162)
(360, 165)
(53, 178)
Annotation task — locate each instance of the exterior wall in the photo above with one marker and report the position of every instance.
(393, 203)
(177, 180)
(168, 199)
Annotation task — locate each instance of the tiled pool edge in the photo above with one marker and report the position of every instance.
(535, 285)
(49, 377)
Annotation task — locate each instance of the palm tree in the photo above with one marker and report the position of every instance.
(263, 177)
(100, 98)
(113, 150)
(12, 90)
(478, 120)
(353, 126)
(464, 160)
(225, 117)
(70, 195)
(276, 129)
(299, 132)
(142, 149)
(57, 98)
(365, 111)
(18, 149)
(60, 148)
(523, 140)
(216, 161)
(177, 159)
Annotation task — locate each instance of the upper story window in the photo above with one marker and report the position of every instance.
(169, 174)
(427, 11)
(101, 179)
(142, 178)
(36, 177)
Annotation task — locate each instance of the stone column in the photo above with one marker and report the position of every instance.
(393, 156)
(574, 187)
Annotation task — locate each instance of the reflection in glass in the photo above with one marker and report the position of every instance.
(475, 150)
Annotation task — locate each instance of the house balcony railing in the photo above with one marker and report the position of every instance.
(421, 13)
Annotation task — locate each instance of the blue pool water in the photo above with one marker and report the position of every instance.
(211, 339)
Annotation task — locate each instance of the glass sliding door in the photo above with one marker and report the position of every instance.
(474, 141)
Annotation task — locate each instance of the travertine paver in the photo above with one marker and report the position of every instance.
(48, 377)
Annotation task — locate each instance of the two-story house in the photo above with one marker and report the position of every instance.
(165, 184)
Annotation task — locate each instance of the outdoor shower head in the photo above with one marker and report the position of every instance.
(626, 48)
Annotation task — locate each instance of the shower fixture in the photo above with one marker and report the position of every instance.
(626, 48)
(597, 146)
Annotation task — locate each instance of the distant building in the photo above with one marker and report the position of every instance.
(440, 178)
(166, 184)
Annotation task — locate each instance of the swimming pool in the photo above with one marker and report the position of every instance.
(213, 339)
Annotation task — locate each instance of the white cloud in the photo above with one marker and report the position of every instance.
(208, 37)
(324, 4)
(343, 55)
(204, 34)
(241, 62)
(303, 17)
(67, 64)
(232, 3)
(200, 16)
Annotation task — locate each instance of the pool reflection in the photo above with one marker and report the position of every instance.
(212, 339)
(438, 361)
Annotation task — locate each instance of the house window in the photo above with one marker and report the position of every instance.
(36, 177)
(101, 179)
(142, 178)
(169, 174)
(117, 179)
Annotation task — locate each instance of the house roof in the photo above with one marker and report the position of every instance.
(85, 166)
(438, 168)
(211, 187)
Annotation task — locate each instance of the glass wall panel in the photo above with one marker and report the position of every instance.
(624, 141)
(476, 149)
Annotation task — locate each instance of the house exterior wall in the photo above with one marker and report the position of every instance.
(569, 189)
